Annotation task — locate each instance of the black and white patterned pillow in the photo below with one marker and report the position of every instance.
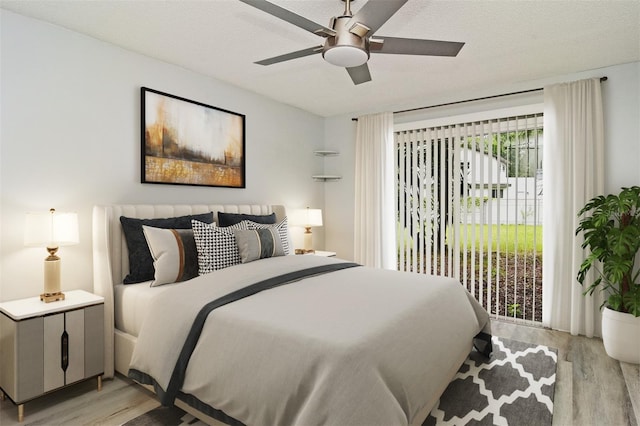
(282, 228)
(217, 248)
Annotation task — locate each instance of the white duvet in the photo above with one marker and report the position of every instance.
(359, 346)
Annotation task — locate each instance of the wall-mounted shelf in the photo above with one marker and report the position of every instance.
(326, 178)
(326, 153)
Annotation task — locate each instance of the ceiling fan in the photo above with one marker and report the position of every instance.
(349, 38)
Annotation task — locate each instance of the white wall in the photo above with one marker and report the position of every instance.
(70, 139)
(340, 133)
(621, 99)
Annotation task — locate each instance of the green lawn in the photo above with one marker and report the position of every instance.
(511, 238)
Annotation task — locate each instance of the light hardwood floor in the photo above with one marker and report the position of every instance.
(591, 389)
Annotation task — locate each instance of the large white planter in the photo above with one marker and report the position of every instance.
(621, 336)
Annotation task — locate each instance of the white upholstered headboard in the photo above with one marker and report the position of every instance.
(111, 257)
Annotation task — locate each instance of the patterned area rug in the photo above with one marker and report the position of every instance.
(514, 387)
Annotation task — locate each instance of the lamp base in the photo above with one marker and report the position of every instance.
(51, 297)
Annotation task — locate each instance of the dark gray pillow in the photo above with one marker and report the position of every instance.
(140, 260)
(228, 219)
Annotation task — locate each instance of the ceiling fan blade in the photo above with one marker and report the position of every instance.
(290, 17)
(375, 13)
(293, 55)
(359, 74)
(411, 46)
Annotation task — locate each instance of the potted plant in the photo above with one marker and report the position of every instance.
(611, 230)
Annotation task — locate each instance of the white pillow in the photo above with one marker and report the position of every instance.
(174, 254)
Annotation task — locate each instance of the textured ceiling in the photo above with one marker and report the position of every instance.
(507, 42)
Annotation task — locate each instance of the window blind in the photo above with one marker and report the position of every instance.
(468, 205)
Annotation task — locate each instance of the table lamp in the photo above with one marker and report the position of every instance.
(51, 230)
(307, 218)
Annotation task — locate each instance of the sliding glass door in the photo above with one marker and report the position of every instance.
(469, 205)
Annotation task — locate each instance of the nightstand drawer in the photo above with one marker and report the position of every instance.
(64, 348)
(21, 350)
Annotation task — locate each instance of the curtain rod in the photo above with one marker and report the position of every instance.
(473, 100)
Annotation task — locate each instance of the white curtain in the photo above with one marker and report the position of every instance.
(374, 232)
(573, 174)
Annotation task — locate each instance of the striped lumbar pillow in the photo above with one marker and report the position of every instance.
(254, 244)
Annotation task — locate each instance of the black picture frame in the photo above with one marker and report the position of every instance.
(185, 142)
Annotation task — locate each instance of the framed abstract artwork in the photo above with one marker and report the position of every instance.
(190, 143)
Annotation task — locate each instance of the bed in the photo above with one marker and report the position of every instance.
(309, 340)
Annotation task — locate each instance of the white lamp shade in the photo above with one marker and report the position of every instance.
(51, 229)
(306, 217)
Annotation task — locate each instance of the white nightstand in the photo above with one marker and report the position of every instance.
(47, 346)
(323, 253)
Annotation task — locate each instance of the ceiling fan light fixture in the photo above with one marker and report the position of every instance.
(346, 56)
(350, 38)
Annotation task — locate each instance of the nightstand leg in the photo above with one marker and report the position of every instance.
(99, 383)
(20, 413)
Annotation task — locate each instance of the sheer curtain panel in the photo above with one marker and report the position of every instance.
(573, 174)
(374, 232)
